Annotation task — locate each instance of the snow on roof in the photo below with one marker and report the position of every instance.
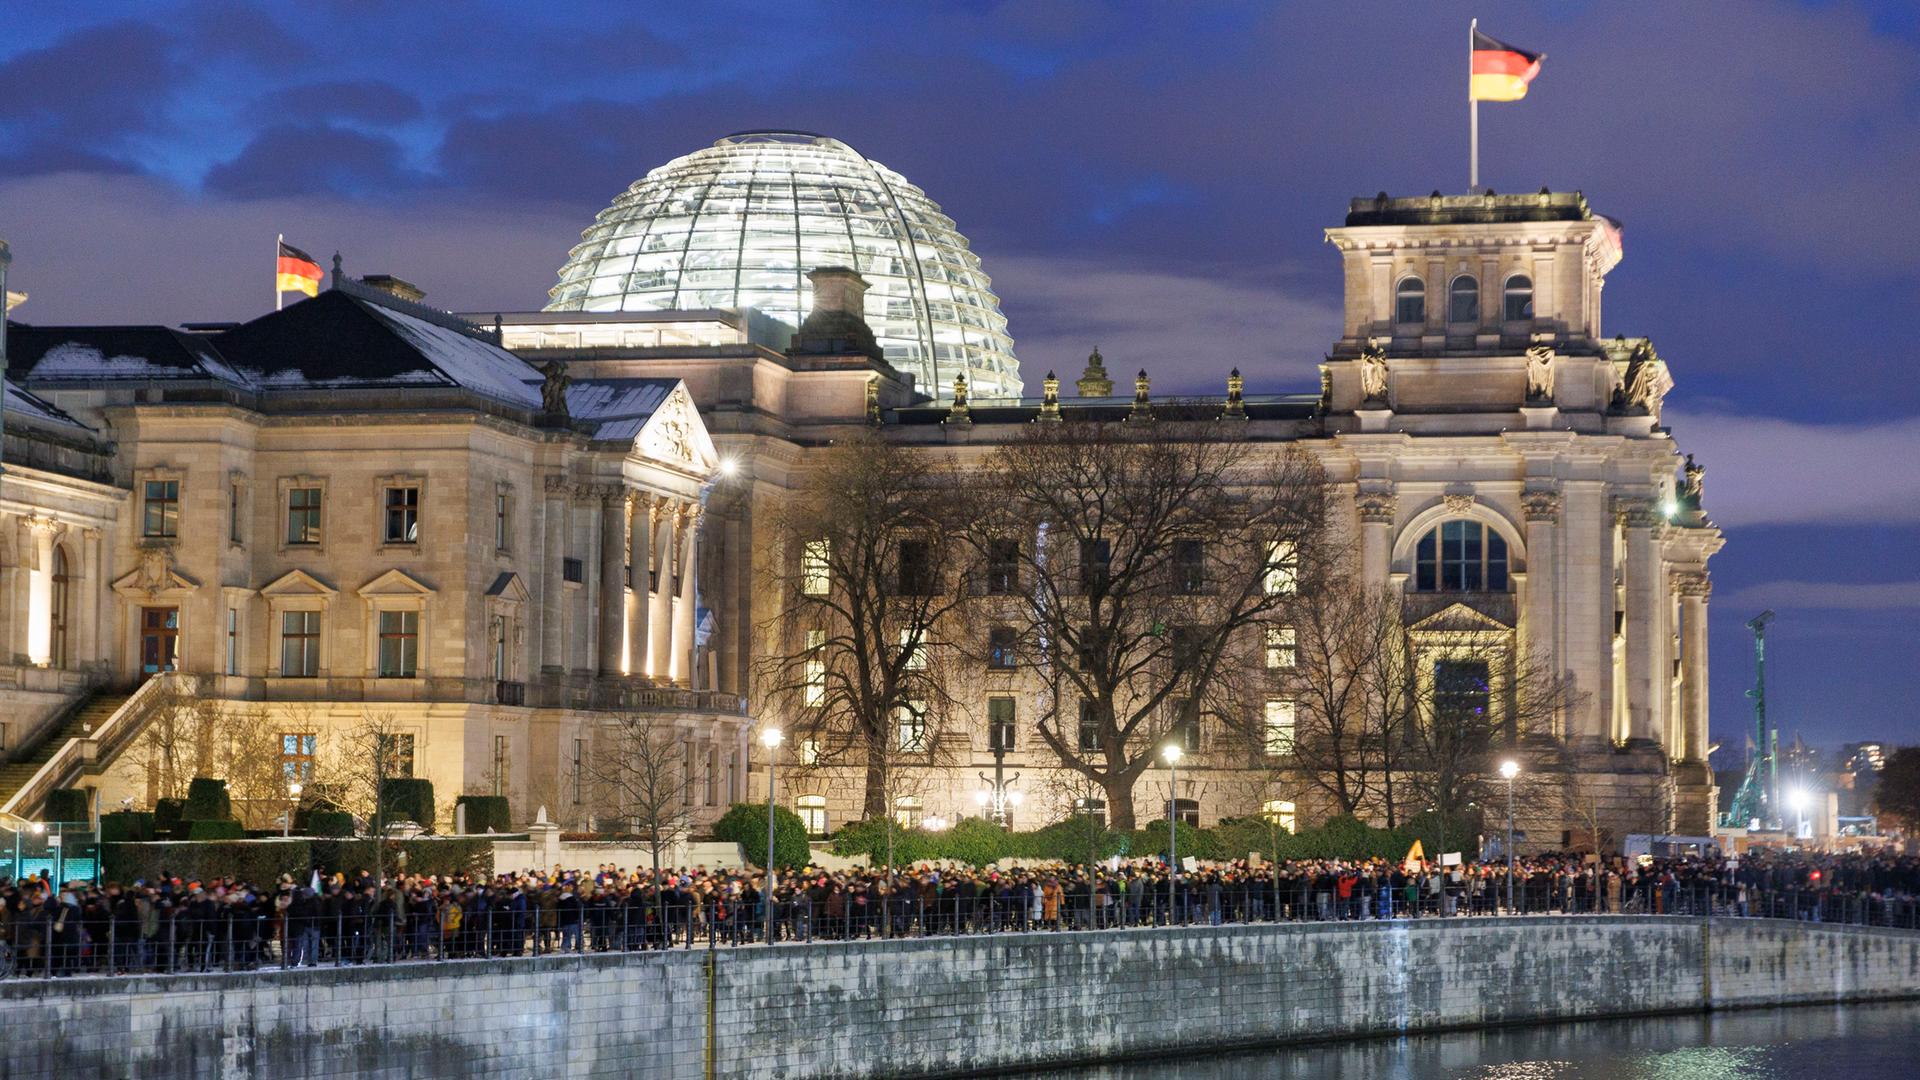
(478, 365)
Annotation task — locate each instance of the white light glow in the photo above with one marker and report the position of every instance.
(1509, 769)
(770, 737)
(1171, 752)
(1015, 798)
(981, 798)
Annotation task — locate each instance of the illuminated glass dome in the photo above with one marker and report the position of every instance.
(739, 224)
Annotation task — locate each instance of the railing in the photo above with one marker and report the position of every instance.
(102, 743)
(194, 936)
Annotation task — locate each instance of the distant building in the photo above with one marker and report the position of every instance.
(1863, 757)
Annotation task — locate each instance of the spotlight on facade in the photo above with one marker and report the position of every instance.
(770, 737)
(1669, 509)
(1509, 769)
(729, 467)
(1170, 753)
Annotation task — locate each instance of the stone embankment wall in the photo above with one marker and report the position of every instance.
(932, 1006)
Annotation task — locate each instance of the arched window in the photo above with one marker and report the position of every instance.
(1410, 301)
(62, 607)
(1463, 301)
(1460, 556)
(1519, 299)
(813, 813)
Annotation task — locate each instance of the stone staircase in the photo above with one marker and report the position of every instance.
(92, 710)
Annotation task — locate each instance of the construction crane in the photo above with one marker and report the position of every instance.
(1758, 798)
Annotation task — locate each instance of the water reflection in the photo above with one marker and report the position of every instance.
(1858, 1042)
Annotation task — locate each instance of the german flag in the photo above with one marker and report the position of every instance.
(296, 271)
(1500, 72)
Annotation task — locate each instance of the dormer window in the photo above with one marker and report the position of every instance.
(1410, 301)
(1518, 306)
(1463, 301)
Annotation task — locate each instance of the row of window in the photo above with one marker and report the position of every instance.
(917, 576)
(299, 751)
(1463, 300)
(399, 514)
(398, 655)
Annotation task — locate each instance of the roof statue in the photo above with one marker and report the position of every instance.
(1094, 382)
(553, 389)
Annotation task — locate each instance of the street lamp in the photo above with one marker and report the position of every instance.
(293, 803)
(769, 738)
(1508, 770)
(1799, 799)
(1171, 752)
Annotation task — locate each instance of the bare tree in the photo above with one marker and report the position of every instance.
(1131, 562)
(638, 770)
(364, 758)
(864, 556)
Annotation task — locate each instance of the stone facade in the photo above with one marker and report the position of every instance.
(937, 1006)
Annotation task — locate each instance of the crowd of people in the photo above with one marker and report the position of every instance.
(170, 924)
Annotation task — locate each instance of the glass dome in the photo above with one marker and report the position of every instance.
(739, 224)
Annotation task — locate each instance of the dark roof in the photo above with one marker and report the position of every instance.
(89, 353)
(1110, 409)
(617, 408)
(1477, 209)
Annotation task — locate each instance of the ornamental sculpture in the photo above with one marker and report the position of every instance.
(1373, 375)
(1540, 373)
(553, 389)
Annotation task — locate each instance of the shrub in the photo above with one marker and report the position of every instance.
(1075, 840)
(216, 830)
(126, 826)
(66, 805)
(166, 815)
(869, 838)
(407, 799)
(746, 824)
(1193, 842)
(328, 823)
(486, 812)
(256, 861)
(207, 800)
(441, 855)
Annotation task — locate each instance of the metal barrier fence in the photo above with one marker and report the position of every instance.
(49, 944)
(61, 852)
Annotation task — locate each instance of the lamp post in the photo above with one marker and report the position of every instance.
(1171, 752)
(770, 738)
(293, 803)
(1508, 770)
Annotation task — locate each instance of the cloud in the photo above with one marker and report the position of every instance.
(1188, 329)
(368, 101)
(302, 159)
(1825, 595)
(101, 83)
(1765, 470)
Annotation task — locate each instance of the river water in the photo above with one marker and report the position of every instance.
(1854, 1042)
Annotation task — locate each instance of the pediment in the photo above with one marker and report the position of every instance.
(676, 436)
(155, 576)
(509, 586)
(297, 583)
(395, 583)
(1459, 618)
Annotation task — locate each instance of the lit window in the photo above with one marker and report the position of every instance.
(299, 644)
(1461, 693)
(296, 755)
(1186, 724)
(1279, 812)
(914, 650)
(1282, 652)
(814, 673)
(1460, 556)
(303, 515)
(399, 644)
(1517, 303)
(161, 512)
(1277, 730)
(1283, 568)
(907, 811)
(813, 813)
(1000, 648)
(1463, 301)
(1089, 727)
(403, 515)
(912, 720)
(1000, 723)
(395, 756)
(809, 752)
(1410, 301)
(1091, 808)
(816, 567)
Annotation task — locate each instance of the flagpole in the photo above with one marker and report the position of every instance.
(1473, 117)
(278, 296)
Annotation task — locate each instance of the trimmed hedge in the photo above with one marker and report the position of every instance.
(216, 830)
(407, 799)
(207, 800)
(66, 804)
(486, 812)
(746, 824)
(126, 826)
(328, 823)
(166, 816)
(441, 855)
(256, 861)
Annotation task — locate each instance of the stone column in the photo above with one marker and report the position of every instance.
(612, 579)
(683, 612)
(660, 614)
(1694, 587)
(1646, 683)
(88, 597)
(1542, 510)
(1376, 512)
(40, 591)
(1586, 589)
(639, 565)
(553, 592)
